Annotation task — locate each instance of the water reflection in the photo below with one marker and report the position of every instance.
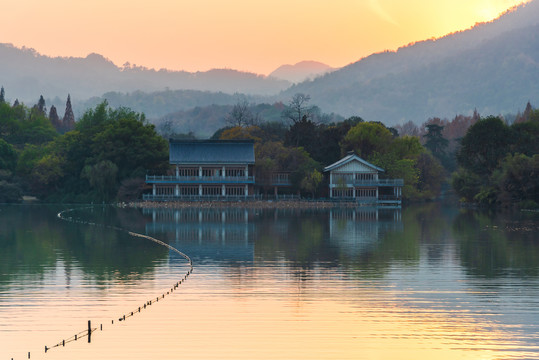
(209, 234)
(358, 231)
(427, 281)
(498, 244)
(33, 241)
(303, 237)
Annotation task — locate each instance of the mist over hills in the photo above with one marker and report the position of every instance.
(26, 74)
(304, 70)
(493, 67)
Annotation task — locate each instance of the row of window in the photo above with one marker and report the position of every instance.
(206, 190)
(349, 193)
(194, 172)
(347, 178)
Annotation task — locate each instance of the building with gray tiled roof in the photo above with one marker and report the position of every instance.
(206, 169)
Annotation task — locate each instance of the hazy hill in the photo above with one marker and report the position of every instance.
(304, 70)
(159, 103)
(26, 74)
(493, 67)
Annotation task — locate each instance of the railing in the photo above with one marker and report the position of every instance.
(379, 182)
(151, 197)
(199, 179)
(372, 182)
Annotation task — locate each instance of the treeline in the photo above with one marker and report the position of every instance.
(302, 147)
(102, 157)
(105, 155)
(499, 163)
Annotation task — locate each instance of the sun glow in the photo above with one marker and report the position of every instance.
(245, 35)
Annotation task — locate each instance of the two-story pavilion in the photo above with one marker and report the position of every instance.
(354, 178)
(206, 168)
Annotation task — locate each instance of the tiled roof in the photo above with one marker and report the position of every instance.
(212, 152)
(349, 158)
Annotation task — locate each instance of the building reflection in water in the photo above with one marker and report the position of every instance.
(230, 234)
(216, 234)
(358, 230)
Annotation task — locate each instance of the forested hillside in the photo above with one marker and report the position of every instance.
(491, 68)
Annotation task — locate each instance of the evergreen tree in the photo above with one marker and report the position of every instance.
(16, 103)
(41, 105)
(2, 95)
(68, 122)
(55, 119)
(436, 143)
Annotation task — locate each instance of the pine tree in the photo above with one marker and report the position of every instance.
(2, 95)
(55, 120)
(68, 122)
(41, 105)
(16, 103)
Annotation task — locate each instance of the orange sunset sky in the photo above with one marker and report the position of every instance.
(249, 35)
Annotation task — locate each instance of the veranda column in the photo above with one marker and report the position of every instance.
(153, 190)
(200, 190)
(330, 184)
(223, 191)
(177, 171)
(177, 190)
(246, 190)
(224, 172)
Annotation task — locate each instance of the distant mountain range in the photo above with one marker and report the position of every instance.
(26, 74)
(304, 70)
(493, 67)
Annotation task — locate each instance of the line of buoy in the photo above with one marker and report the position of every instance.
(89, 331)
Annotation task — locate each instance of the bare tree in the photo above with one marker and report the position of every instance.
(241, 115)
(298, 108)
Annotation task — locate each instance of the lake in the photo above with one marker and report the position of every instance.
(427, 281)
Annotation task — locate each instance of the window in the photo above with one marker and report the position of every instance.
(211, 190)
(235, 191)
(235, 172)
(190, 172)
(210, 172)
(164, 190)
(364, 176)
(343, 193)
(188, 190)
(365, 193)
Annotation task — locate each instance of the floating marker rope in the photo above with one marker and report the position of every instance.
(129, 314)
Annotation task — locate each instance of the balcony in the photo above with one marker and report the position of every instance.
(370, 183)
(379, 182)
(164, 179)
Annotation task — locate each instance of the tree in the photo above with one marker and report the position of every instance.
(102, 177)
(303, 133)
(2, 95)
(55, 120)
(8, 156)
(517, 179)
(298, 108)
(484, 145)
(367, 138)
(311, 181)
(68, 122)
(436, 143)
(41, 106)
(241, 115)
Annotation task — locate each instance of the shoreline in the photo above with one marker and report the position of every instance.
(256, 204)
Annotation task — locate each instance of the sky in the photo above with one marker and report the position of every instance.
(248, 35)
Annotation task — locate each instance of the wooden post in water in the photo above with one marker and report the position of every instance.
(89, 331)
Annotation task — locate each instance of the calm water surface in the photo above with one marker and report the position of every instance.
(429, 281)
